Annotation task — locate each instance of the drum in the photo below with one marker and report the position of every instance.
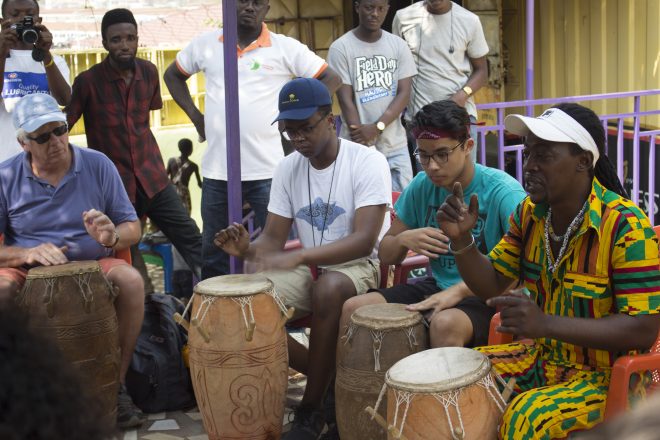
(443, 393)
(378, 335)
(74, 304)
(238, 357)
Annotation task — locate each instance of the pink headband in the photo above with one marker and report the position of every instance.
(431, 133)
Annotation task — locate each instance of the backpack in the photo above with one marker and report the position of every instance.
(157, 378)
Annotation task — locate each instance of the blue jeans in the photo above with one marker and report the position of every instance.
(400, 169)
(215, 213)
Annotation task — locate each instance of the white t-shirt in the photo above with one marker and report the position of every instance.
(22, 76)
(263, 68)
(324, 206)
(430, 37)
(373, 70)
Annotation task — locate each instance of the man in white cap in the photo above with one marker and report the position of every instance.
(586, 259)
(60, 203)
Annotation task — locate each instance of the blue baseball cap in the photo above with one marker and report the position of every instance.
(34, 110)
(300, 98)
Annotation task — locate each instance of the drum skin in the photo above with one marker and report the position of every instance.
(357, 384)
(240, 385)
(74, 304)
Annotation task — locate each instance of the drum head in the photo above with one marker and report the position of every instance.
(234, 285)
(438, 370)
(385, 316)
(63, 270)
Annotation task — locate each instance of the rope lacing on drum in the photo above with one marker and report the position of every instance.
(412, 339)
(448, 399)
(206, 305)
(401, 397)
(185, 311)
(278, 300)
(488, 384)
(380, 398)
(350, 331)
(85, 290)
(245, 301)
(48, 296)
(377, 335)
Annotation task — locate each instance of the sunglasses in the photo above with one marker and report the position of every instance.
(45, 137)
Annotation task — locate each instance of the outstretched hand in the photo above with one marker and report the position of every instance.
(234, 240)
(520, 315)
(456, 218)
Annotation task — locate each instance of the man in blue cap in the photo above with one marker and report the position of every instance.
(337, 192)
(63, 203)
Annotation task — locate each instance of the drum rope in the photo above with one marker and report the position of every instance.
(451, 399)
(206, 305)
(82, 280)
(278, 300)
(412, 339)
(380, 399)
(185, 311)
(350, 331)
(243, 301)
(401, 397)
(48, 295)
(489, 385)
(378, 336)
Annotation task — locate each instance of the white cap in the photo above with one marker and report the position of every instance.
(555, 126)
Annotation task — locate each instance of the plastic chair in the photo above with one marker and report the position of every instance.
(164, 250)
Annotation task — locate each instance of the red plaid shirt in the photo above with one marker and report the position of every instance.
(116, 119)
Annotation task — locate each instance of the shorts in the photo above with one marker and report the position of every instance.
(474, 307)
(294, 286)
(19, 274)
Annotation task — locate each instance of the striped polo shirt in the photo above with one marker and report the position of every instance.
(611, 266)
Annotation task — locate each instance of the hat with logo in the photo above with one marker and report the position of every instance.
(300, 98)
(34, 110)
(553, 125)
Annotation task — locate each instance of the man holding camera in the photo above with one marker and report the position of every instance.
(27, 65)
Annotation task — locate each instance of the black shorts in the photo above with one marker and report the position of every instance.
(475, 308)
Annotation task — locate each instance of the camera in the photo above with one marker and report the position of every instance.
(26, 31)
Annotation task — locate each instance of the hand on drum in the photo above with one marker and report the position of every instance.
(99, 226)
(438, 302)
(520, 315)
(46, 254)
(456, 218)
(234, 240)
(430, 242)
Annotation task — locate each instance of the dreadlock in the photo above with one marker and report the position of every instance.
(604, 169)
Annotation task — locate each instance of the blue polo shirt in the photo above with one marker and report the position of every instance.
(33, 212)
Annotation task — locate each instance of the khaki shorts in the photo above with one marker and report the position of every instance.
(294, 286)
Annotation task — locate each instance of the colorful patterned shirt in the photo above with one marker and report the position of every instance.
(611, 266)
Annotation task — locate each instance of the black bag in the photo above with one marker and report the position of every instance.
(157, 378)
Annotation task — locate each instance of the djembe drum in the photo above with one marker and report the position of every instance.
(378, 335)
(442, 393)
(238, 356)
(74, 304)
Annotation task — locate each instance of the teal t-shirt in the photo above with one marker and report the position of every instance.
(499, 194)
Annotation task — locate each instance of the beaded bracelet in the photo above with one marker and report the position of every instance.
(465, 249)
(113, 244)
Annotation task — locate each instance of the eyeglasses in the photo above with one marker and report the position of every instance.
(291, 133)
(45, 137)
(439, 157)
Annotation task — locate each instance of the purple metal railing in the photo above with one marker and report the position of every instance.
(653, 136)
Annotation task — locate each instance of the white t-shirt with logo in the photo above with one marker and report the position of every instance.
(374, 70)
(322, 203)
(262, 72)
(23, 76)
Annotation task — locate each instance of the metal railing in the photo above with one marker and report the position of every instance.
(614, 122)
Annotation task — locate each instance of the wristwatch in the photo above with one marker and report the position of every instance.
(467, 90)
(380, 125)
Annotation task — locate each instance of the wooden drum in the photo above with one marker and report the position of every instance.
(74, 303)
(238, 357)
(378, 335)
(443, 393)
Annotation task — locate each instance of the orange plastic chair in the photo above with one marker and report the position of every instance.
(124, 254)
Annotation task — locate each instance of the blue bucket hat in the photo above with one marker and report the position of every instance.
(300, 98)
(34, 110)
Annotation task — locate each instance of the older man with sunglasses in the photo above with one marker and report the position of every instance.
(444, 145)
(60, 203)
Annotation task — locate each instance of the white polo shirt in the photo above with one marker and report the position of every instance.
(263, 68)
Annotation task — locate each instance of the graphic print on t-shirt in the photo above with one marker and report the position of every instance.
(376, 76)
(320, 215)
(18, 84)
